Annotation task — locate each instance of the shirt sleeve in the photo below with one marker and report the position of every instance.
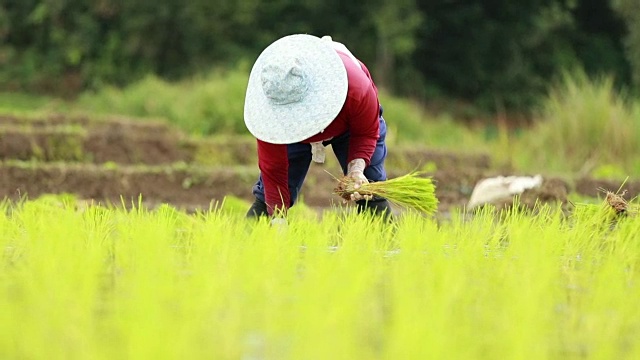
(364, 125)
(273, 162)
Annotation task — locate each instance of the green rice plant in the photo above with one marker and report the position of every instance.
(233, 205)
(412, 190)
(112, 282)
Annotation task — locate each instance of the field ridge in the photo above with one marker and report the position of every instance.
(110, 158)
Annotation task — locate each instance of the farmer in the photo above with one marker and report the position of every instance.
(304, 93)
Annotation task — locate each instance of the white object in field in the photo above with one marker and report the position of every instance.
(501, 188)
(280, 224)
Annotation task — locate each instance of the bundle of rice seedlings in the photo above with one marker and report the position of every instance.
(409, 191)
(617, 202)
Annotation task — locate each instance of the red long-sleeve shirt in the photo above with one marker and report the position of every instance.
(359, 116)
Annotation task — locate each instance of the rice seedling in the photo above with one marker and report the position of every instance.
(80, 282)
(412, 190)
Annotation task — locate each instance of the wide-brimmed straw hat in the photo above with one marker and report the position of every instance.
(297, 87)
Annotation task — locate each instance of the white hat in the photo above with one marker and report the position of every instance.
(297, 87)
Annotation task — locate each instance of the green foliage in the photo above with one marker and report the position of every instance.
(584, 123)
(630, 11)
(408, 122)
(232, 205)
(396, 24)
(92, 282)
(68, 45)
(506, 58)
(20, 102)
(214, 104)
(609, 171)
(599, 44)
(208, 104)
(489, 57)
(424, 50)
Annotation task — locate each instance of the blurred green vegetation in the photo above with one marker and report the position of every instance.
(206, 104)
(584, 126)
(212, 105)
(26, 103)
(425, 50)
(630, 11)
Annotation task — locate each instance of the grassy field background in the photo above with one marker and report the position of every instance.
(584, 125)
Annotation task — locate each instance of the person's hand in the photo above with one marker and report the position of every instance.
(355, 170)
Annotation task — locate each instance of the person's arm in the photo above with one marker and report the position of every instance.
(273, 162)
(364, 126)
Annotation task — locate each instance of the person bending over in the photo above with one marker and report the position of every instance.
(305, 93)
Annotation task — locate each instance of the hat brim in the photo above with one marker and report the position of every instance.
(291, 123)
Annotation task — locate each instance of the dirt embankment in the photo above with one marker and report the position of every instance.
(109, 160)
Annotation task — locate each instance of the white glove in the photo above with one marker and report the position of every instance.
(355, 170)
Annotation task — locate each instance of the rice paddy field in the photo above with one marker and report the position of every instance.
(83, 281)
(173, 277)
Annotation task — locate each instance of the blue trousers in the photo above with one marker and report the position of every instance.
(300, 159)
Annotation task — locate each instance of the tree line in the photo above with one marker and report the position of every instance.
(489, 53)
